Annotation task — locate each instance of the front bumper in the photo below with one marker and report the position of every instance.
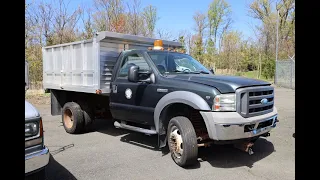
(36, 160)
(231, 125)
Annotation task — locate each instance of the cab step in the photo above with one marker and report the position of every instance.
(123, 125)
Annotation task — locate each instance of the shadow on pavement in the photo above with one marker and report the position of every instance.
(222, 156)
(56, 171)
(106, 126)
(226, 156)
(141, 140)
(131, 137)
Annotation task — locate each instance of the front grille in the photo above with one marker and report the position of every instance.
(254, 101)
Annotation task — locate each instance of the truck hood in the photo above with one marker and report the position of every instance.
(30, 111)
(224, 84)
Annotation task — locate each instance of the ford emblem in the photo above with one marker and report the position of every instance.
(264, 101)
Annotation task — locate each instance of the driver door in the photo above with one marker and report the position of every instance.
(125, 99)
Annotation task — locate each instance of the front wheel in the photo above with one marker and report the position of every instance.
(182, 141)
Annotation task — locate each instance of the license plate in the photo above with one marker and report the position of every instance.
(257, 131)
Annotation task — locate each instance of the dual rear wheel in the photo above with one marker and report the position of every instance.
(76, 118)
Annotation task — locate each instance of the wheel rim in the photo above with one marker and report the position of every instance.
(176, 142)
(68, 118)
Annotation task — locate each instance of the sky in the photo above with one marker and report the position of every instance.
(177, 15)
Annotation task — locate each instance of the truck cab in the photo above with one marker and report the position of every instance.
(168, 93)
(154, 92)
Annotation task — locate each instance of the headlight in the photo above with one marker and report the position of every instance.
(31, 129)
(224, 102)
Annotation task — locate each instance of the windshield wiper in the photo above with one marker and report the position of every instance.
(181, 71)
(192, 72)
(199, 72)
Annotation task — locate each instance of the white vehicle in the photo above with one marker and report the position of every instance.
(36, 153)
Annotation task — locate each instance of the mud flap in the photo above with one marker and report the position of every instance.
(162, 140)
(162, 136)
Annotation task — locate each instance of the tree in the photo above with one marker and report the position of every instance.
(135, 21)
(213, 41)
(231, 50)
(38, 32)
(263, 11)
(38, 23)
(109, 15)
(150, 17)
(184, 38)
(200, 26)
(164, 34)
(64, 23)
(88, 31)
(218, 19)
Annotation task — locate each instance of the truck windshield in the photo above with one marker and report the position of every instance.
(173, 63)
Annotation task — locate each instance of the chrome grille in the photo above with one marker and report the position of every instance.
(250, 100)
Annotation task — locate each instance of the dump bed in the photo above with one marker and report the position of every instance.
(86, 66)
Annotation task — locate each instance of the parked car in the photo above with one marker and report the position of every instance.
(36, 153)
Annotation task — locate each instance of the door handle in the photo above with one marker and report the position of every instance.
(114, 88)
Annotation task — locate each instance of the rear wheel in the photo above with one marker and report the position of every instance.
(182, 141)
(88, 115)
(72, 118)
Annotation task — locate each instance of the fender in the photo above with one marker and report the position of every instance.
(186, 97)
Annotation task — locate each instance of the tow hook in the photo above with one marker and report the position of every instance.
(250, 151)
(246, 147)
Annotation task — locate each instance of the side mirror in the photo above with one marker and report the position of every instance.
(135, 76)
(133, 73)
(212, 71)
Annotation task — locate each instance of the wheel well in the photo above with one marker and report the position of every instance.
(180, 109)
(99, 103)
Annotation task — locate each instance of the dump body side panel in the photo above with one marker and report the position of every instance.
(71, 67)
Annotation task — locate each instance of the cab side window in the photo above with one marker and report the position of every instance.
(133, 59)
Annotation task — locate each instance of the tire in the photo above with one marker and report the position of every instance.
(88, 116)
(72, 118)
(183, 127)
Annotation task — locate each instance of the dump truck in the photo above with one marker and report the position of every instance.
(153, 87)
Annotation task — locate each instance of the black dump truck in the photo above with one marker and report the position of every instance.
(153, 87)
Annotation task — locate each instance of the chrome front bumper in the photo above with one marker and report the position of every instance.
(231, 125)
(36, 160)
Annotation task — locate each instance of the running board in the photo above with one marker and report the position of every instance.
(134, 128)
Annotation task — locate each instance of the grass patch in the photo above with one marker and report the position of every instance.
(38, 92)
(254, 75)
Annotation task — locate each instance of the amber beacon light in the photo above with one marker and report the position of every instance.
(158, 45)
